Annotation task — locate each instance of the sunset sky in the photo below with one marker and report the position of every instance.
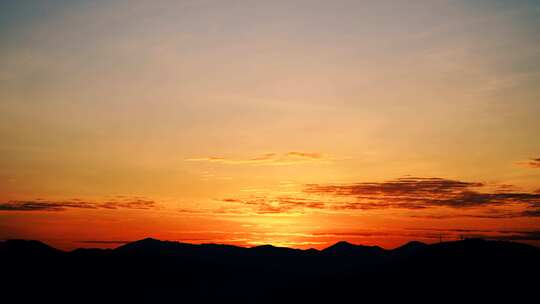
(292, 123)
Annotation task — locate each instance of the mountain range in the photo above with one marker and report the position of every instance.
(154, 271)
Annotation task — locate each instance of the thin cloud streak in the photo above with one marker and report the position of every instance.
(310, 155)
(484, 215)
(103, 242)
(277, 205)
(269, 159)
(492, 234)
(422, 193)
(533, 163)
(40, 205)
(433, 198)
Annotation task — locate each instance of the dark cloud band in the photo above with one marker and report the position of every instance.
(421, 193)
(39, 205)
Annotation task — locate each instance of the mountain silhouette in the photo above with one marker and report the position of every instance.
(343, 248)
(154, 271)
(27, 248)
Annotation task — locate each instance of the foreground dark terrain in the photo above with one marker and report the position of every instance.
(153, 271)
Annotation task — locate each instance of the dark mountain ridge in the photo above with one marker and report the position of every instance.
(154, 271)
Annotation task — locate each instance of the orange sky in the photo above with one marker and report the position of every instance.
(293, 123)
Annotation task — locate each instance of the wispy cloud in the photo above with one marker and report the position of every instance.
(534, 163)
(128, 204)
(289, 158)
(422, 193)
(531, 163)
(103, 242)
(485, 214)
(531, 213)
(520, 235)
(428, 195)
(309, 155)
(275, 205)
(41, 205)
(493, 234)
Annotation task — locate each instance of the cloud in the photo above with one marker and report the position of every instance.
(534, 163)
(449, 230)
(429, 195)
(103, 242)
(520, 236)
(289, 158)
(422, 193)
(531, 163)
(341, 234)
(531, 213)
(486, 214)
(503, 235)
(129, 204)
(265, 158)
(279, 204)
(41, 205)
(432, 233)
(312, 155)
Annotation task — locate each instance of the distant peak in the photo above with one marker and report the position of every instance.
(339, 246)
(27, 243)
(474, 240)
(265, 246)
(346, 247)
(147, 243)
(27, 246)
(272, 248)
(411, 246)
(415, 244)
(343, 244)
(148, 240)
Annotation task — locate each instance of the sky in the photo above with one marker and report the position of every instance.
(292, 123)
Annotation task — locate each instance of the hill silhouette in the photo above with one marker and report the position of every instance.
(154, 271)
